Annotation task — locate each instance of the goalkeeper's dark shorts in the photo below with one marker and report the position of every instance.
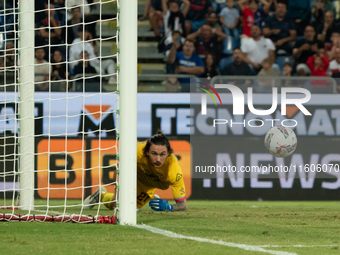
(144, 194)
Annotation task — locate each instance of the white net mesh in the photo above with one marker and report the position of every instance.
(76, 113)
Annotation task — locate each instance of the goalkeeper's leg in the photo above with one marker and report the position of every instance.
(144, 194)
(107, 199)
(94, 198)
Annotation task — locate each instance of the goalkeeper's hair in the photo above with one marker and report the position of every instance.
(157, 139)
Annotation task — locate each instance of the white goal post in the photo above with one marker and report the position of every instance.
(128, 108)
(26, 103)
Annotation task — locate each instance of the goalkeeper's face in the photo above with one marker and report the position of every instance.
(157, 155)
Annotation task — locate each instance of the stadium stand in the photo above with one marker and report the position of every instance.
(323, 15)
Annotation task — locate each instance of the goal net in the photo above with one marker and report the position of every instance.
(62, 107)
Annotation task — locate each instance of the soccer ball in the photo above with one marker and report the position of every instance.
(280, 141)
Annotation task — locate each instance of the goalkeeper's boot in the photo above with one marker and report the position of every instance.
(94, 198)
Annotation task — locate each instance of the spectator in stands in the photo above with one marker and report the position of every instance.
(257, 48)
(336, 9)
(318, 65)
(173, 17)
(334, 65)
(280, 29)
(59, 3)
(8, 76)
(155, 16)
(300, 12)
(330, 49)
(325, 29)
(207, 40)
(238, 67)
(84, 65)
(265, 85)
(2, 64)
(59, 71)
(196, 15)
(218, 5)
(252, 14)
(287, 72)
(212, 20)
(6, 23)
(147, 4)
(83, 4)
(50, 29)
(83, 41)
(336, 5)
(229, 18)
(176, 36)
(10, 59)
(81, 44)
(306, 48)
(271, 6)
(85, 14)
(319, 8)
(287, 69)
(39, 10)
(172, 84)
(41, 70)
(267, 70)
(187, 62)
(71, 31)
(210, 67)
(84, 69)
(168, 43)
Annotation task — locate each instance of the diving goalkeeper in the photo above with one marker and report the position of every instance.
(157, 168)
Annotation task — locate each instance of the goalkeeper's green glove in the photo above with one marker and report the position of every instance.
(158, 204)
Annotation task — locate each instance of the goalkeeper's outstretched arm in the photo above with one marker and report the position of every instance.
(159, 204)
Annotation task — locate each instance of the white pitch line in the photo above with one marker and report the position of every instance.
(298, 245)
(205, 240)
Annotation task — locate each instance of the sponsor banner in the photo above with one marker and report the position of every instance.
(69, 114)
(60, 114)
(61, 164)
(69, 165)
(180, 119)
(324, 121)
(9, 115)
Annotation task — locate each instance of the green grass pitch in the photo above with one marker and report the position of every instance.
(313, 225)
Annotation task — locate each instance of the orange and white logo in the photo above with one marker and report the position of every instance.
(96, 112)
(97, 119)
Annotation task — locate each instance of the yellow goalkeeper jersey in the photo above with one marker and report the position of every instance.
(169, 174)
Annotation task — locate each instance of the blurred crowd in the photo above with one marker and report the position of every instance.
(65, 42)
(247, 37)
(203, 38)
